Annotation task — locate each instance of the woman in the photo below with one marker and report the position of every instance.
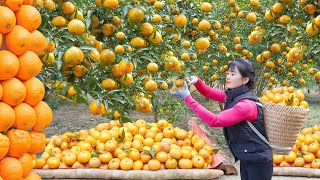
(239, 105)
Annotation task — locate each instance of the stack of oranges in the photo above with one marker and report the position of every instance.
(130, 146)
(286, 96)
(23, 114)
(305, 152)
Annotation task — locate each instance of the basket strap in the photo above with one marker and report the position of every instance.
(266, 141)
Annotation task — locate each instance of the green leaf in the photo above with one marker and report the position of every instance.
(59, 64)
(299, 154)
(65, 90)
(94, 154)
(87, 47)
(153, 151)
(147, 152)
(123, 135)
(82, 98)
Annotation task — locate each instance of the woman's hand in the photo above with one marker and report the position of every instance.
(181, 93)
(191, 80)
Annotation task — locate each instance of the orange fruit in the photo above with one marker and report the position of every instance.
(136, 15)
(151, 86)
(73, 56)
(38, 142)
(14, 92)
(156, 18)
(76, 27)
(38, 43)
(126, 67)
(154, 165)
(152, 67)
(94, 162)
(114, 163)
(14, 5)
(39, 163)
(50, 46)
(162, 157)
(28, 17)
(27, 164)
(171, 163)
(204, 25)
(146, 29)
(59, 21)
(71, 91)
(108, 29)
(290, 157)
(30, 65)
(155, 37)
(44, 116)
(84, 157)
(96, 109)
(20, 142)
(67, 8)
(111, 4)
(18, 40)
(116, 20)
(185, 164)
(4, 145)
(79, 71)
(33, 176)
(180, 20)
(9, 65)
(109, 84)
(126, 164)
(107, 56)
(10, 168)
(310, 9)
(202, 43)
(277, 159)
(53, 162)
(126, 79)
(277, 8)
(7, 20)
(35, 91)
(138, 42)
(137, 165)
(205, 7)
(25, 116)
(7, 116)
(198, 161)
(120, 35)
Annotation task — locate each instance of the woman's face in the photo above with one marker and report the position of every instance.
(234, 79)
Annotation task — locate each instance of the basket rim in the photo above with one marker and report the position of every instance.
(286, 107)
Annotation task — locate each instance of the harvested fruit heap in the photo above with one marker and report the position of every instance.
(23, 114)
(305, 152)
(131, 146)
(285, 96)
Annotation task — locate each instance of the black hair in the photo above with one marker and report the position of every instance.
(246, 69)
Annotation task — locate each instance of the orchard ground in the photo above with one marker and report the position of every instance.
(74, 117)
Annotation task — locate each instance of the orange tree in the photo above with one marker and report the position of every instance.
(124, 53)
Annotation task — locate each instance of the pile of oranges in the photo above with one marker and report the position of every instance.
(23, 114)
(130, 146)
(305, 152)
(285, 96)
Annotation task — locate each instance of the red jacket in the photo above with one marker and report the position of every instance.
(243, 110)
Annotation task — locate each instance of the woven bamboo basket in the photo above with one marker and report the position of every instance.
(282, 125)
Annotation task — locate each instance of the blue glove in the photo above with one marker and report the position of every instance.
(182, 94)
(191, 80)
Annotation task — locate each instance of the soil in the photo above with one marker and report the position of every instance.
(74, 117)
